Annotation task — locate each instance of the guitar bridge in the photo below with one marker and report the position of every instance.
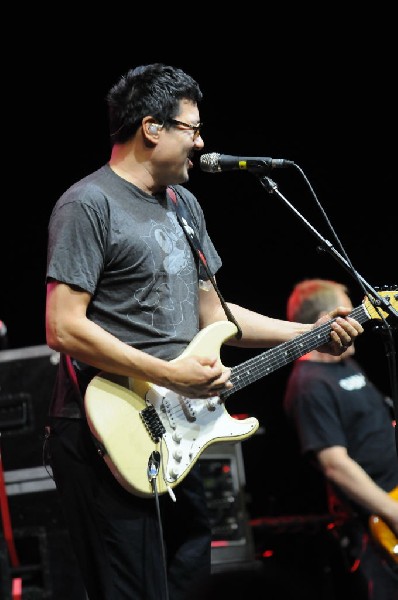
(152, 422)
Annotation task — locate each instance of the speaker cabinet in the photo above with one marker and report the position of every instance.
(47, 565)
(27, 377)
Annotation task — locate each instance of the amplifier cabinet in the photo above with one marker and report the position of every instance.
(27, 377)
(223, 473)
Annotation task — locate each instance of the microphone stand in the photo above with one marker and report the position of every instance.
(376, 300)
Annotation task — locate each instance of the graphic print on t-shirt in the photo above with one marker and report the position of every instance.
(172, 267)
(354, 382)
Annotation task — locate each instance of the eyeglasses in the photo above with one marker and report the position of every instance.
(195, 128)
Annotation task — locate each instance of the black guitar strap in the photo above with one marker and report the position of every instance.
(186, 221)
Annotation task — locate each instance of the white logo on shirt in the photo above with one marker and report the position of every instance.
(354, 382)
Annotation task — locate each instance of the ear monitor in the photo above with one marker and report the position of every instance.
(153, 128)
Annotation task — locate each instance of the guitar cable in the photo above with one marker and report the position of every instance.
(153, 471)
(153, 467)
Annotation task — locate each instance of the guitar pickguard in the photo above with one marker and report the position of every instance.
(192, 425)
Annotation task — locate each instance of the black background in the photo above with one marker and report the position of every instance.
(317, 89)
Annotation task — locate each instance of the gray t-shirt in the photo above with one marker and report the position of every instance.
(128, 250)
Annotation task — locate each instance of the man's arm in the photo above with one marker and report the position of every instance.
(261, 331)
(68, 330)
(339, 468)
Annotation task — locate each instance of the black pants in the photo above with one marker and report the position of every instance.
(116, 535)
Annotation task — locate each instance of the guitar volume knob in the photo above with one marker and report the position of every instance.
(177, 455)
(173, 473)
(177, 437)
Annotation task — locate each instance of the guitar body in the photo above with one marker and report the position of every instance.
(383, 534)
(178, 428)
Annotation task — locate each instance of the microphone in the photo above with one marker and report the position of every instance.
(215, 163)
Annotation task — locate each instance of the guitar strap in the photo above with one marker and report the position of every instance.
(186, 221)
(73, 376)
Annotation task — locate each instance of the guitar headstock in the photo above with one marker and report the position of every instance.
(372, 307)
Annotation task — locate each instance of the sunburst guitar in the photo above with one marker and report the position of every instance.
(136, 423)
(383, 535)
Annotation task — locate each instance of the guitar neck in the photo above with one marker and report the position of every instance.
(269, 361)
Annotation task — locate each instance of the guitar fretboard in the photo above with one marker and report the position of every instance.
(269, 361)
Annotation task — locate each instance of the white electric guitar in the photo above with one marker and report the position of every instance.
(145, 431)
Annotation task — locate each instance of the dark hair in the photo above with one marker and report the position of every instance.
(154, 90)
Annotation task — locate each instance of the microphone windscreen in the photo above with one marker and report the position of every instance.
(210, 162)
